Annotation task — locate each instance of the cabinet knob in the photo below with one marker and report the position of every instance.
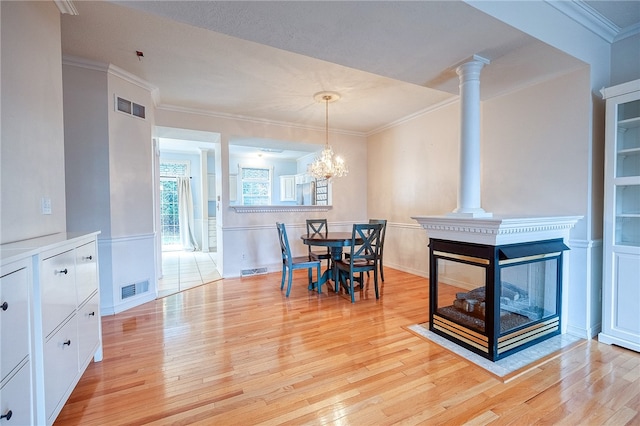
(7, 416)
(63, 271)
(67, 343)
(91, 314)
(88, 258)
(4, 306)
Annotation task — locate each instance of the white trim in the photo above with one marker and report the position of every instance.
(66, 7)
(588, 17)
(279, 209)
(185, 110)
(453, 99)
(76, 61)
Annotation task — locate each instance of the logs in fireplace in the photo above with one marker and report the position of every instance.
(495, 300)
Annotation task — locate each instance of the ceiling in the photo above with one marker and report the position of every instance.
(266, 59)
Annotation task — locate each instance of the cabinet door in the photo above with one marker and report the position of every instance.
(288, 188)
(88, 329)
(14, 320)
(15, 396)
(60, 366)
(58, 290)
(86, 271)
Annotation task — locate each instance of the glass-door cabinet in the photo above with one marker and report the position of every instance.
(621, 248)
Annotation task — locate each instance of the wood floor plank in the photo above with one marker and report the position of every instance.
(237, 351)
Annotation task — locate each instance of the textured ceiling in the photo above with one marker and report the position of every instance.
(266, 59)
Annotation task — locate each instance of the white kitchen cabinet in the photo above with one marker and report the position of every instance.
(621, 263)
(287, 188)
(54, 282)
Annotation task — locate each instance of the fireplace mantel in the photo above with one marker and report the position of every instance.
(497, 230)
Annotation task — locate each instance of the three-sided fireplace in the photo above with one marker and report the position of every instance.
(495, 300)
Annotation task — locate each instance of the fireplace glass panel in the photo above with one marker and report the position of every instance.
(461, 293)
(528, 293)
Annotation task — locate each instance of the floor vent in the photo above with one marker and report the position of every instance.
(256, 271)
(134, 289)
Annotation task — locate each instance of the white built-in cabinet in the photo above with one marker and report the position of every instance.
(288, 188)
(50, 322)
(621, 263)
(16, 363)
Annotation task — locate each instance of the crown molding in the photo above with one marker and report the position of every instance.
(134, 79)
(453, 99)
(238, 117)
(76, 61)
(66, 7)
(592, 20)
(114, 70)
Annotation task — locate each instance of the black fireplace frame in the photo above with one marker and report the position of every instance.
(490, 344)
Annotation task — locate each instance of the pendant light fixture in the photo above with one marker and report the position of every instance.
(327, 165)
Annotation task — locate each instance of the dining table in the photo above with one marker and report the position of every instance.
(336, 241)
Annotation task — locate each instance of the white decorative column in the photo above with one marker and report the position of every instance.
(469, 180)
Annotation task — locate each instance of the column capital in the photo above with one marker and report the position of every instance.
(471, 67)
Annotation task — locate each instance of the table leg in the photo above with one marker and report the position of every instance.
(336, 256)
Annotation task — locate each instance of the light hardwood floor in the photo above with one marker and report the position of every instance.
(237, 352)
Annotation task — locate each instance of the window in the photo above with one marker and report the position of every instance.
(256, 186)
(170, 227)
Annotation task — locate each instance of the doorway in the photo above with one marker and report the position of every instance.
(180, 269)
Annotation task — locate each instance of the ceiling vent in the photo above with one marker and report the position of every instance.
(131, 108)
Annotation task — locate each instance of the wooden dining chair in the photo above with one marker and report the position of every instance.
(383, 232)
(290, 263)
(362, 258)
(319, 227)
(383, 222)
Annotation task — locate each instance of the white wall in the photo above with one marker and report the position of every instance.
(31, 149)
(537, 159)
(110, 184)
(625, 61)
(249, 240)
(413, 170)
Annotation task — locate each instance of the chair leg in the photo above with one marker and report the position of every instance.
(284, 273)
(351, 290)
(318, 279)
(381, 270)
(289, 285)
(375, 282)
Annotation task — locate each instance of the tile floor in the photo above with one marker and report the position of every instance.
(186, 269)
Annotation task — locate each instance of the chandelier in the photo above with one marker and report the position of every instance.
(327, 165)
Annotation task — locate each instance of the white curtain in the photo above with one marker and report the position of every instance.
(185, 214)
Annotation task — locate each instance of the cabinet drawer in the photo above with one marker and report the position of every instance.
(58, 290)
(14, 320)
(88, 329)
(60, 364)
(15, 396)
(86, 271)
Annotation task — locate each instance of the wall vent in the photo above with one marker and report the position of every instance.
(134, 289)
(131, 108)
(255, 271)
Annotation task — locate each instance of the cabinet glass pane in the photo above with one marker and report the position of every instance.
(628, 140)
(627, 221)
(629, 110)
